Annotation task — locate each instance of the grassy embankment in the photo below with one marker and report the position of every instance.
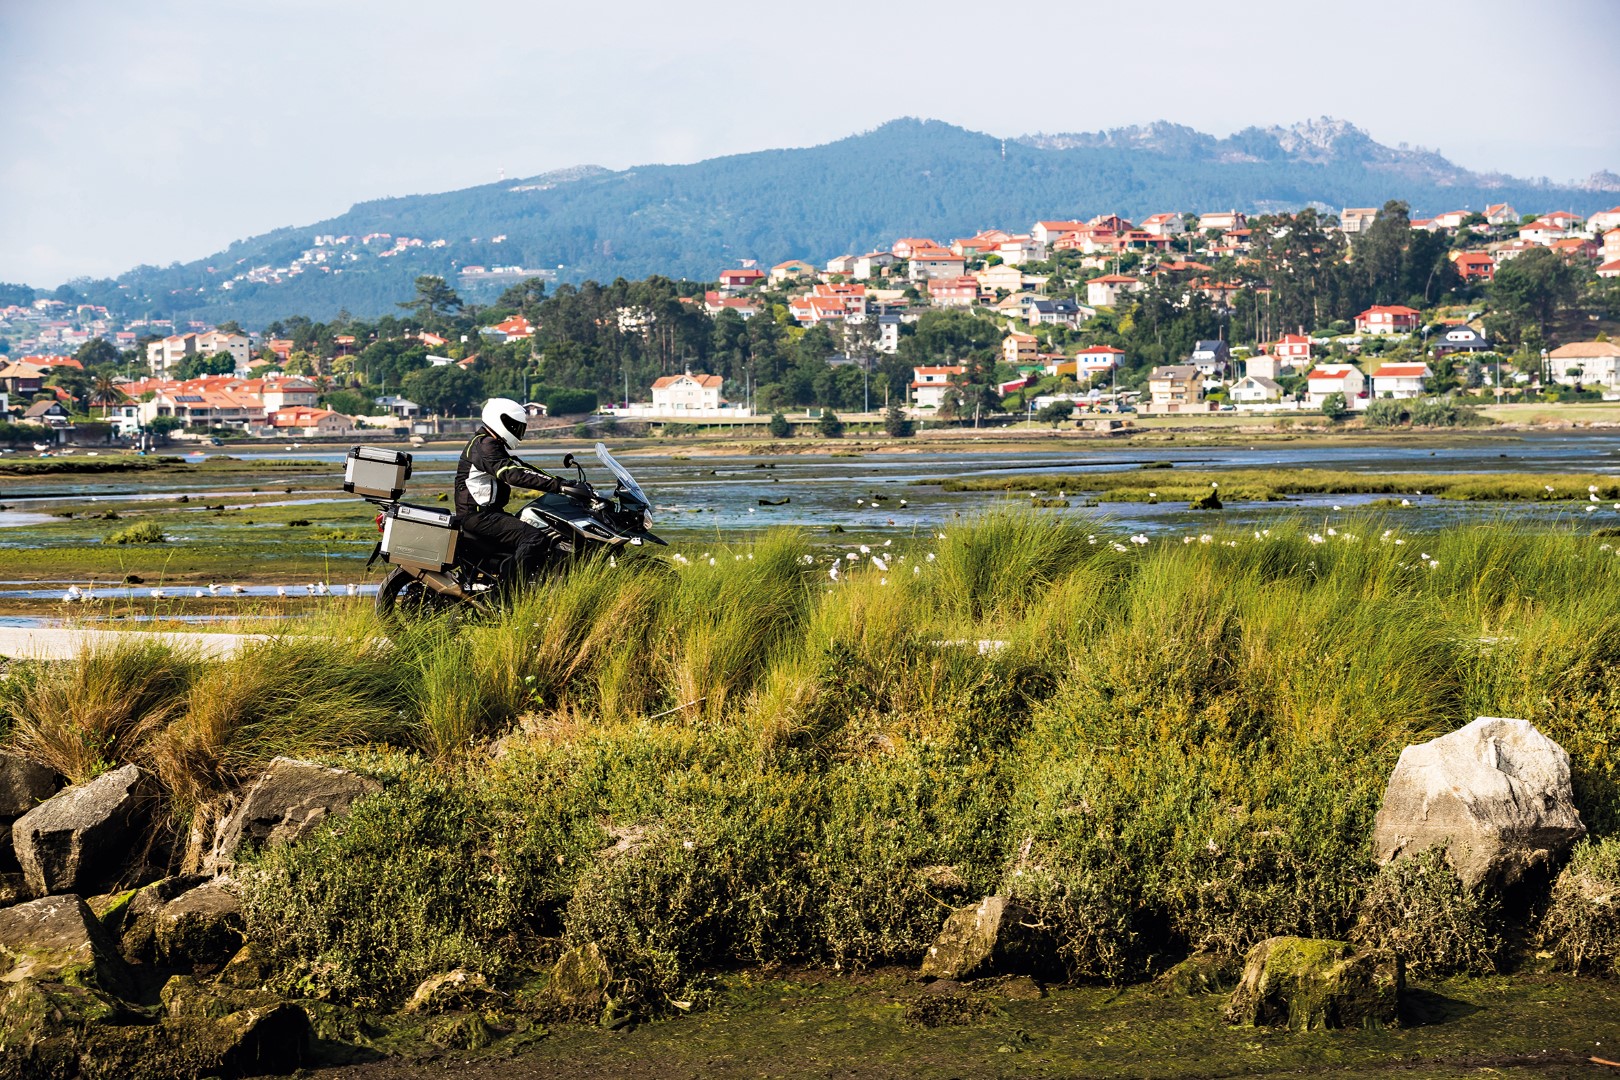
(1147, 484)
(1177, 748)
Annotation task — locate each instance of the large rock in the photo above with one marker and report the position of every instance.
(581, 983)
(1495, 795)
(23, 785)
(133, 915)
(991, 937)
(63, 1011)
(283, 806)
(1309, 983)
(59, 937)
(201, 928)
(85, 838)
(449, 991)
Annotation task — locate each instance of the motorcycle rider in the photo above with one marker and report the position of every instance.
(485, 477)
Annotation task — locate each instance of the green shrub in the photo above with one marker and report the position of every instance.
(1384, 413)
(1420, 909)
(146, 532)
(570, 402)
(368, 906)
(1443, 412)
(779, 427)
(1582, 926)
(830, 426)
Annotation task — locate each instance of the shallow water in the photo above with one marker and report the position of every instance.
(715, 498)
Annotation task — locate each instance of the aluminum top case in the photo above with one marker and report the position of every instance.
(420, 537)
(376, 473)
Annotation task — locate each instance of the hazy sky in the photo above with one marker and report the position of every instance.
(165, 129)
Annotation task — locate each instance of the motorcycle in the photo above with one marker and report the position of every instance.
(438, 569)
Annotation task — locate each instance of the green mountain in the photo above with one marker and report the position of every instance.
(906, 178)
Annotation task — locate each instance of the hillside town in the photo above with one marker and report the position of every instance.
(1045, 320)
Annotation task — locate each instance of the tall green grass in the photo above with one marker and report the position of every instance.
(741, 758)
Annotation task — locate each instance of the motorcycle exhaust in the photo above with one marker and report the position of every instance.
(443, 583)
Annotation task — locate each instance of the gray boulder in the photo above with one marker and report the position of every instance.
(1495, 794)
(59, 938)
(201, 928)
(992, 937)
(283, 806)
(84, 839)
(1307, 983)
(133, 915)
(23, 785)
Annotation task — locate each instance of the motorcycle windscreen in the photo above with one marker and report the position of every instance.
(627, 481)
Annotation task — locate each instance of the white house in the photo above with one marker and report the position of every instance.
(867, 266)
(1586, 362)
(935, 263)
(1401, 380)
(1326, 379)
(165, 355)
(929, 385)
(1603, 221)
(1211, 357)
(1293, 351)
(1543, 232)
(675, 394)
(1097, 359)
(1017, 250)
(1356, 219)
(1105, 291)
(1501, 214)
(1164, 224)
(1254, 390)
(1046, 233)
(1059, 312)
(1222, 221)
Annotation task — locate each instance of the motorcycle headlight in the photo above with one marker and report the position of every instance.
(646, 519)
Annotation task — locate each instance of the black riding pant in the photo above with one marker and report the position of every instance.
(504, 532)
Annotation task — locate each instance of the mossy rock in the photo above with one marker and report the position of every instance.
(1200, 973)
(1309, 983)
(581, 983)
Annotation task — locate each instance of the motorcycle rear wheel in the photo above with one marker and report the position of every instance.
(403, 600)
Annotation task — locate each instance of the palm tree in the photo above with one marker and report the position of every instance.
(104, 392)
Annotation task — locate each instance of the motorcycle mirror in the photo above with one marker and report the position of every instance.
(568, 461)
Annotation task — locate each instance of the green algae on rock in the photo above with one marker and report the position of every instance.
(1310, 983)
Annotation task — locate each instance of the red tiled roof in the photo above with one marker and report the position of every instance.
(702, 380)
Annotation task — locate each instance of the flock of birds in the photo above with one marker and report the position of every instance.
(76, 595)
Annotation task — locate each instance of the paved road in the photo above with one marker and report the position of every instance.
(62, 643)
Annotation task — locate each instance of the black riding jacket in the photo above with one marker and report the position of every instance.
(486, 475)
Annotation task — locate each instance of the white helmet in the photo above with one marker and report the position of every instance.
(506, 419)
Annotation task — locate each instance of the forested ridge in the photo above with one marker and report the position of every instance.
(908, 177)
